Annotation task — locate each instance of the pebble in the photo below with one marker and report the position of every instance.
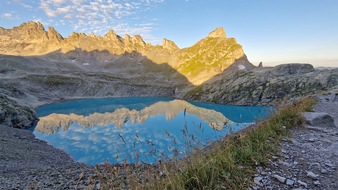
(274, 157)
(257, 182)
(290, 182)
(312, 140)
(311, 175)
(302, 183)
(323, 171)
(258, 178)
(329, 165)
(279, 178)
(316, 182)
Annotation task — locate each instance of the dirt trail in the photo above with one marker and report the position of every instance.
(308, 159)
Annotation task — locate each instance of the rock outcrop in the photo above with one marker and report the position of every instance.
(169, 45)
(14, 114)
(217, 33)
(265, 86)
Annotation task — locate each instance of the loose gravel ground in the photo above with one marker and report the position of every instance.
(29, 163)
(308, 159)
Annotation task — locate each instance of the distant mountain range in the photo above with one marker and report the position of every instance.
(198, 63)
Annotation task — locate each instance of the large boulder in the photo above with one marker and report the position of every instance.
(319, 119)
(292, 69)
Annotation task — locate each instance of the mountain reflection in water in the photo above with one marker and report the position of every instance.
(51, 123)
(147, 130)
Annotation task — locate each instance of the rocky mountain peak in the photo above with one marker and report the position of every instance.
(137, 39)
(53, 34)
(111, 35)
(30, 27)
(92, 35)
(217, 33)
(169, 45)
(33, 24)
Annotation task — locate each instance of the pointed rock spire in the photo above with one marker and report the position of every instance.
(217, 33)
(170, 45)
(137, 39)
(111, 35)
(53, 34)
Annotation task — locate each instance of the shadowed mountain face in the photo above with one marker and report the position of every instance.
(207, 58)
(57, 76)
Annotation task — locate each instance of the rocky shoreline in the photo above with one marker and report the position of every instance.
(29, 163)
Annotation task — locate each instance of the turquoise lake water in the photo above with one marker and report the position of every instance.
(138, 130)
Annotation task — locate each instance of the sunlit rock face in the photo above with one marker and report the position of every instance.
(217, 33)
(198, 63)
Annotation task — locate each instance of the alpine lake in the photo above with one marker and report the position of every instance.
(139, 130)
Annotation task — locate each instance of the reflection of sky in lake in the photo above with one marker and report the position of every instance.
(157, 138)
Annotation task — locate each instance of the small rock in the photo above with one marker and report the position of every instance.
(311, 139)
(287, 164)
(329, 165)
(303, 151)
(323, 171)
(316, 182)
(290, 182)
(279, 178)
(311, 175)
(257, 182)
(302, 183)
(259, 178)
(274, 157)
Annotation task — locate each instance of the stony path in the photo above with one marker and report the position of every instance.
(308, 159)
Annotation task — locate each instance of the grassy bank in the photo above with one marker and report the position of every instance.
(227, 164)
(231, 163)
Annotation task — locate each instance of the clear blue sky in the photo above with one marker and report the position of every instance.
(271, 31)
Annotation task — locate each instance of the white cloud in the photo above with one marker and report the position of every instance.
(7, 16)
(19, 2)
(99, 16)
